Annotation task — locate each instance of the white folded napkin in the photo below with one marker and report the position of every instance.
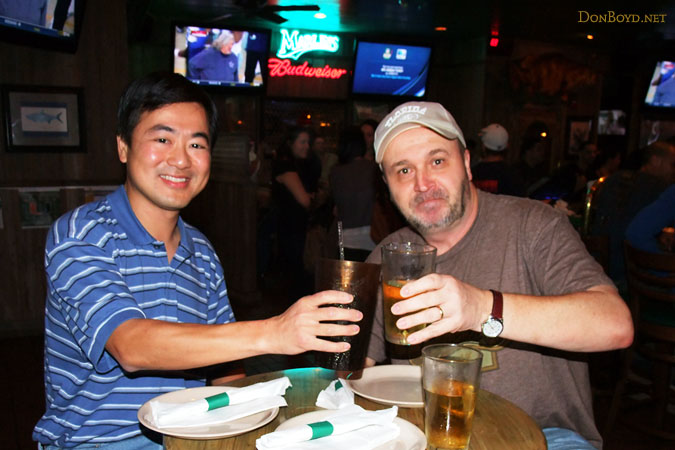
(350, 428)
(337, 395)
(223, 407)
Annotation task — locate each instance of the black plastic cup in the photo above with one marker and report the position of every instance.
(362, 280)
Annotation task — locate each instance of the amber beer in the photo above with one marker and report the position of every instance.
(391, 294)
(450, 379)
(402, 262)
(449, 407)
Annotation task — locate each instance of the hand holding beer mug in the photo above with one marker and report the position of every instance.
(402, 262)
(450, 378)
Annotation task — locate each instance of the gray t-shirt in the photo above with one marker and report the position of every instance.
(521, 246)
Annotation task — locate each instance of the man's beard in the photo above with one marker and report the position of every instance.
(456, 209)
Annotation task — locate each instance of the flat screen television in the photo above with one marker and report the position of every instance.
(224, 57)
(661, 90)
(49, 24)
(386, 68)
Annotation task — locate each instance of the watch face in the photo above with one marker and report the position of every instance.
(492, 327)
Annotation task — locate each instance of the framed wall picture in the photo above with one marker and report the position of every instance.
(39, 207)
(43, 119)
(578, 132)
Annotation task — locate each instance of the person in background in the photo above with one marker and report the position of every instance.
(136, 298)
(622, 195)
(217, 62)
(295, 178)
(385, 218)
(237, 50)
(256, 56)
(531, 168)
(327, 158)
(368, 129)
(353, 183)
(511, 271)
(652, 228)
(492, 174)
(60, 14)
(570, 180)
(606, 164)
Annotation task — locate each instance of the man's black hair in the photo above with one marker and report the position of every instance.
(156, 90)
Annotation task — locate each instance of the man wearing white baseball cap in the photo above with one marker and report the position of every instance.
(492, 174)
(507, 268)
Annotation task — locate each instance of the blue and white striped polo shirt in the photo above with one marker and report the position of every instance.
(103, 268)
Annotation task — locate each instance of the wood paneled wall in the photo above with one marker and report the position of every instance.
(100, 69)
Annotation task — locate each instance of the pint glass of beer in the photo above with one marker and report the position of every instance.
(402, 262)
(450, 379)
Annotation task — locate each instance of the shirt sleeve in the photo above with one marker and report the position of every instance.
(88, 296)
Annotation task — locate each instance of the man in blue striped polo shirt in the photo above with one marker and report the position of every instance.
(136, 296)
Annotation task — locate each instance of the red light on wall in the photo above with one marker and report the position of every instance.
(281, 68)
(494, 42)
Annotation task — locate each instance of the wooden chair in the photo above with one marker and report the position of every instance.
(651, 289)
(597, 245)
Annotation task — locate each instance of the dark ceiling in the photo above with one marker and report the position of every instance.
(556, 21)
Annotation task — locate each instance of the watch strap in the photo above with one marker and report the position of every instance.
(497, 304)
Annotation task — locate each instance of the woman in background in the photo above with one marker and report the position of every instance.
(295, 177)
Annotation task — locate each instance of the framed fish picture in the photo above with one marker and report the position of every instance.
(43, 119)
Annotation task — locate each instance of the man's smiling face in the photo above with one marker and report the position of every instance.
(168, 159)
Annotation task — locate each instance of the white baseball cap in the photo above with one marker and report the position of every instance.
(414, 115)
(494, 137)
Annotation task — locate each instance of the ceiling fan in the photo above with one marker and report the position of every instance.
(260, 8)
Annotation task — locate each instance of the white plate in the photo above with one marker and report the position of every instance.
(391, 385)
(216, 431)
(410, 438)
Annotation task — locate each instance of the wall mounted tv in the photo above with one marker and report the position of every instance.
(49, 24)
(661, 91)
(223, 57)
(382, 68)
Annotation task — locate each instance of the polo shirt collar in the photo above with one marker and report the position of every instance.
(136, 232)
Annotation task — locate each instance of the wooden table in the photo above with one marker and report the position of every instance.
(498, 423)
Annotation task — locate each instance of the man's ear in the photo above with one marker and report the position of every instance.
(122, 149)
(467, 163)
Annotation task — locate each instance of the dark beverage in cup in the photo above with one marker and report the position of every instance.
(362, 280)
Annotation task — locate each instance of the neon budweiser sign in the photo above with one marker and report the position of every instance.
(293, 45)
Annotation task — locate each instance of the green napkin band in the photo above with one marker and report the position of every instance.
(218, 401)
(338, 385)
(321, 429)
